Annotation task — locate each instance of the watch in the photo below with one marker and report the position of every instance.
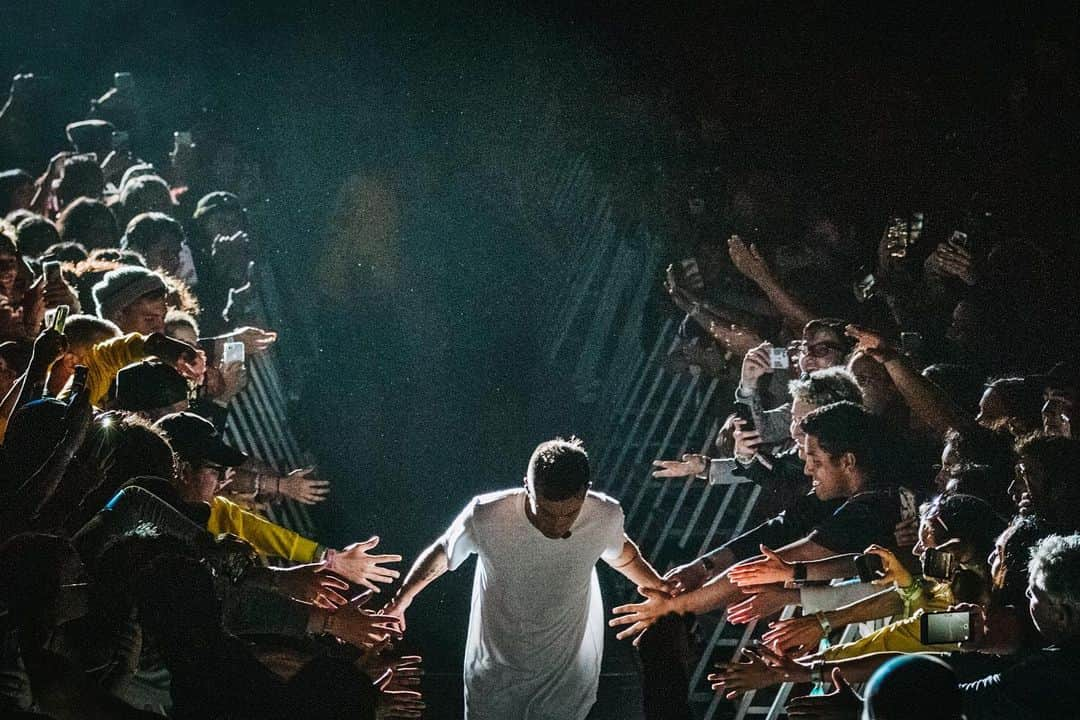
(707, 563)
(799, 570)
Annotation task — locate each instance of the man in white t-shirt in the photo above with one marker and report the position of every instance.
(536, 630)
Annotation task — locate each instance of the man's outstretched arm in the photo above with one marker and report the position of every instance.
(432, 564)
(635, 568)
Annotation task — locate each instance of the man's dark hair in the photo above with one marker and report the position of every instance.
(34, 234)
(1023, 402)
(82, 178)
(1059, 458)
(845, 427)
(890, 695)
(147, 228)
(961, 383)
(85, 214)
(71, 252)
(559, 469)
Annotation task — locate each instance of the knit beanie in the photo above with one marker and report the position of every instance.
(123, 286)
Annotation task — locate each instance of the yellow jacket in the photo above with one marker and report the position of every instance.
(109, 357)
(902, 635)
(266, 537)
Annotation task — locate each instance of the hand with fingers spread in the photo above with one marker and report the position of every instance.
(894, 571)
(843, 703)
(871, 343)
(308, 584)
(400, 704)
(300, 486)
(691, 465)
(766, 600)
(357, 566)
(950, 259)
(761, 669)
(762, 571)
(801, 634)
(639, 616)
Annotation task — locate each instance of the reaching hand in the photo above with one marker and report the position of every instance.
(639, 616)
(33, 304)
(686, 578)
(894, 571)
(949, 259)
(767, 600)
(400, 704)
(354, 564)
(690, 465)
(59, 293)
(748, 260)
(871, 343)
(843, 703)
(192, 369)
(761, 669)
(308, 584)
(361, 628)
(769, 569)
(406, 673)
(801, 633)
(49, 347)
(396, 609)
(300, 486)
(256, 340)
(738, 340)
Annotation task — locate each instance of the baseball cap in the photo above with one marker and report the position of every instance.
(196, 439)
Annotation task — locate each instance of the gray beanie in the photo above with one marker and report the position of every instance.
(123, 286)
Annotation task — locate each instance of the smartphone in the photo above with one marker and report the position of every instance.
(78, 381)
(744, 413)
(779, 358)
(51, 270)
(911, 342)
(233, 353)
(865, 286)
(869, 567)
(909, 508)
(60, 317)
(938, 564)
(939, 628)
(182, 138)
(123, 80)
(960, 239)
(121, 140)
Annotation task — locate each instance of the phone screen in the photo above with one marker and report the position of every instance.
(945, 627)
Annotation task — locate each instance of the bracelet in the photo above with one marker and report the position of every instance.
(328, 558)
(277, 485)
(258, 483)
(799, 570)
(326, 623)
(823, 621)
(817, 672)
(910, 595)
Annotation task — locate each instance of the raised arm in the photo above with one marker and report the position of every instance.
(750, 263)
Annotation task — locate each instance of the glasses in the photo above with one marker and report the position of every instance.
(817, 350)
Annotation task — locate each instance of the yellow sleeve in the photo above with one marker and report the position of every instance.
(109, 357)
(900, 636)
(266, 537)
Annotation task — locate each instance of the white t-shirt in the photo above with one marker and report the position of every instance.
(536, 631)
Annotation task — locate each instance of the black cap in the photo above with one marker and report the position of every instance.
(149, 385)
(195, 439)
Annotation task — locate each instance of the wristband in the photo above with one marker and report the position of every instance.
(328, 558)
(799, 570)
(817, 672)
(823, 621)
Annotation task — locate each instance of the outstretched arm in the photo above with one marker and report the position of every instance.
(635, 568)
(430, 566)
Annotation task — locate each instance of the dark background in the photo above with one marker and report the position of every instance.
(411, 285)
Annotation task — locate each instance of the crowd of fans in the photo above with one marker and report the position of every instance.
(138, 572)
(909, 427)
